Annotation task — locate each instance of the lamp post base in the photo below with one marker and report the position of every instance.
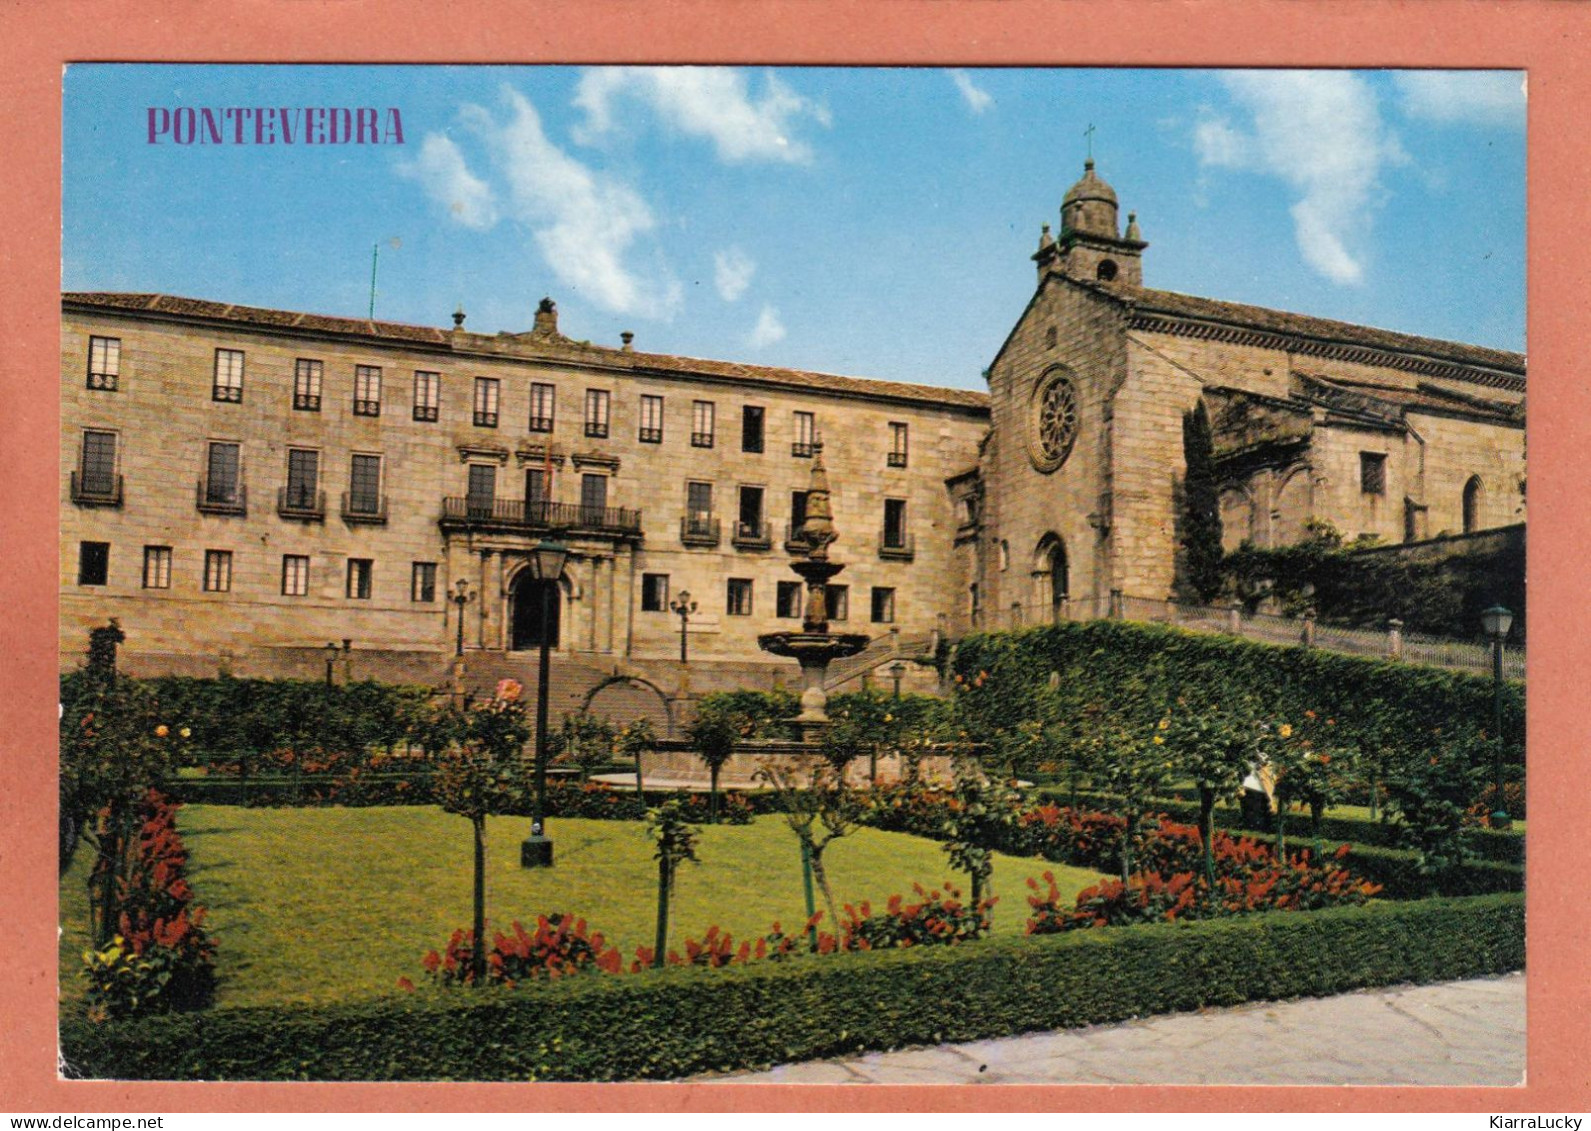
(536, 852)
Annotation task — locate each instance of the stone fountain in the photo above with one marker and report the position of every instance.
(815, 647)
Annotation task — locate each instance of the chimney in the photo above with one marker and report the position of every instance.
(546, 317)
(628, 338)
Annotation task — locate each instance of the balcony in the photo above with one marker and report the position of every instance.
(367, 408)
(364, 510)
(699, 530)
(794, 542)
(485, 419)
(425, 413)
(540, 424)
(301, 504)
(221, 498)
(896, 545)
(753, 536)
(306, 402)
(105, 382)
(232, 394)
(651, 436)
(701, 439)
(96, 490)
(896, 459)
(596, 429)
(802, 449)
(538, 516)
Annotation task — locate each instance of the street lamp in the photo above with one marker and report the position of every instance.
(684, 606)
(1496, 621)
(331, 659)
(897, 672)
(546, 566)
(461, 598)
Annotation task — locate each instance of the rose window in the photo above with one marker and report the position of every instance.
(1054, 422)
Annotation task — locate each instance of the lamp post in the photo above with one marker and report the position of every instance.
(684, 607)
(331, 659)
(461, 597)
(546, 566)
(897, 672)
(1497, 621)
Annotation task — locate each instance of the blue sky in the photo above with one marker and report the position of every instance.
(867, 221)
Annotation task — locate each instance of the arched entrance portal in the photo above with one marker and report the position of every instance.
(531, 619)
(1052, 578)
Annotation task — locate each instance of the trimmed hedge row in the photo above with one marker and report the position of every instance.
(676, 1022)
(1136, 669)
(1487, 844)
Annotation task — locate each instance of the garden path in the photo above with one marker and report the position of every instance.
(1452, 1034)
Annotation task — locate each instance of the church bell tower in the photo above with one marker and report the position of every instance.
(1089, 246)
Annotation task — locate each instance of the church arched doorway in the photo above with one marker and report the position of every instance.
(1052, 576)
(536, 608)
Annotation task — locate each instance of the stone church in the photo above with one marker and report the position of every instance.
(255, 489)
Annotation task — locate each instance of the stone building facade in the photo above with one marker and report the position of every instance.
(242, 487)
(1078, 487)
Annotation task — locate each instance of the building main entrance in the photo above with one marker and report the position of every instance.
(531, 624)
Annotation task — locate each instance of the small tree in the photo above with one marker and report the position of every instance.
(1201, 520)
(823, 802)
(1132, 763)
(1431, 791)
(984, 809)
(714, 733)
(1216, 747)
(676, 843)
(634, 739)
(585, 740)
(482, 773)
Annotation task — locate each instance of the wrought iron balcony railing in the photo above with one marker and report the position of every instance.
(753, 536)
(361, 508)
(96, 490)
(539, 515)
(222, 498)
(896, 545)
(699, 530)
(301, 503)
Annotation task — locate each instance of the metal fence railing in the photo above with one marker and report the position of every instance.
(1391, 643)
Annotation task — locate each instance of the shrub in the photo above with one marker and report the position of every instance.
(935, 919)
(673, 1023)
(560, 945)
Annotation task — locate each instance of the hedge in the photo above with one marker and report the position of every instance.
(1486, 844)
(1135, 670)
(677, 1022)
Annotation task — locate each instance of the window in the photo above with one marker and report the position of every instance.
(751, 417)
(93, 563)
(364, 485)
(838, 602)
(295, 575)
(702, 414)
(654, 592)
(1373, 473)
(422, 583)
(306, 385)
(222, 481)
(157, 567)
(651, 420)
(359, 571)
(749, 523)
(104, 363)
(427, 395)
(486, 390)
(897, 444)
(973, 602)
(541, 407)
(99, 465)
(1472, 504)
(367, 390)
(482, 489)
(535, 485)
(739, 597)
(218, 571)
(593, 499)
(699, 520)
(805, 435)
(789, 599)
(798, 512)
(597, 413)
(895, 524)
(228, 376)
(303, 480)
(883, 606)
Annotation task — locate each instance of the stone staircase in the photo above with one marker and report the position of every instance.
(882, 649)
(571, 679)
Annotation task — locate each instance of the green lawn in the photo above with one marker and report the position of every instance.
(315, 905)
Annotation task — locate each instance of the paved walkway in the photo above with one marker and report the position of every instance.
(1451, 1034)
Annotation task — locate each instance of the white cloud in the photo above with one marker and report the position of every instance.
(1482, 98)
(441, 171)
(978, 99)
(768, 329)
(732, 272)
(708, 102)
(584, 222)
(1321, 132)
